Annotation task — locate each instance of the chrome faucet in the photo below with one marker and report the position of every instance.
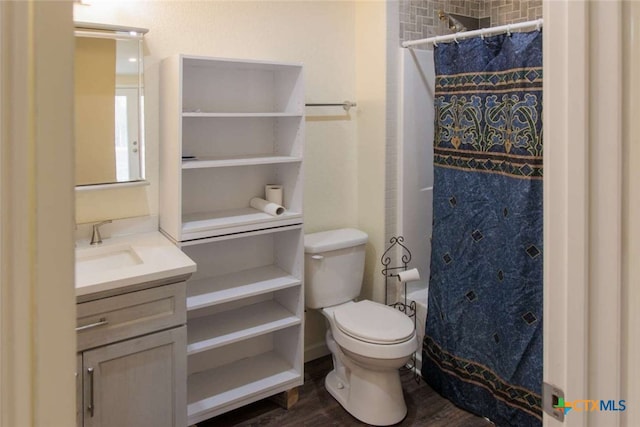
(96, 238)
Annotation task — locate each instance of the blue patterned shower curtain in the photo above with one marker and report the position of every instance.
(483, 343)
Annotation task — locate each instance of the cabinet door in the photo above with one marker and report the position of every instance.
(139, 382)
(79, 404)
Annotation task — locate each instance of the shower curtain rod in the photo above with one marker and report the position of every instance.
(481, 32)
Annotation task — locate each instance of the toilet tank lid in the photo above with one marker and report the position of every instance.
(333, 240)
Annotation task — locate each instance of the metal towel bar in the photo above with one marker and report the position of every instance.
(347, 105)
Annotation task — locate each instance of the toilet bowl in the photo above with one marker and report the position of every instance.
(369, 341)
(365, 379)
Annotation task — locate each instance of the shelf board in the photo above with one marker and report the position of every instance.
(297, 225)
(219, 162)
(230, 287)
(208, 224)
(240, 115)
(209, 332)
(209, 392)
(233, 63)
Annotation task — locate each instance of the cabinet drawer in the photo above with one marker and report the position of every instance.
(124, 316)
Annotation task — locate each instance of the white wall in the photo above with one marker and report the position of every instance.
(340, 43)
(591, 331)
(416, 156)
(392, 120)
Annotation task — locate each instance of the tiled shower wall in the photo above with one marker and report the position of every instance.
(419, 18)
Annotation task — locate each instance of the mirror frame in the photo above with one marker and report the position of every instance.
(96, 30)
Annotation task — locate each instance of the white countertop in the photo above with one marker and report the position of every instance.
(151, 257)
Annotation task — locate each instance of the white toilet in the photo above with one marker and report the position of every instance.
(369, 341)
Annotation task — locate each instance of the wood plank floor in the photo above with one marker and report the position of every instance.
(316, 407)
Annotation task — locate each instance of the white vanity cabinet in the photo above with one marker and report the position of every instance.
(228, 128)
(131, 360)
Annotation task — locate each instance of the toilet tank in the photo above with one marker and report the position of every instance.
(334, 266)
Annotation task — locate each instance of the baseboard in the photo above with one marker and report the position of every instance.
(315, 351)
(418, 368)
(419, 360)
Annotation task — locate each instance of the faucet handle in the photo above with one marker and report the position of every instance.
(96, 238)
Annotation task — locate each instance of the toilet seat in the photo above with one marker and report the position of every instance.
(373, 323)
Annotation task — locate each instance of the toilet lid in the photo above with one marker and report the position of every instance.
(372, 322)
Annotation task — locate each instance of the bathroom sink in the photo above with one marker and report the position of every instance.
(93, 260)
(127, 261)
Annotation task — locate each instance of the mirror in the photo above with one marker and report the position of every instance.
(109, 104)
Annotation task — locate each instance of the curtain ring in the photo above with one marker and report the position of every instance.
(509, 30)
(538, 26)
(455, 39)
(435, 41)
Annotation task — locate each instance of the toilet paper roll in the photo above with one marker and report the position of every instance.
(266, 207)
(273, 193)
(409, 275)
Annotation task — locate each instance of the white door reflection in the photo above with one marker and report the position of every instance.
(126, 134)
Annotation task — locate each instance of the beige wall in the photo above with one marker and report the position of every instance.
(95, 89)
(341, 44)
(37, 296)
(371, 139)
(320, 34)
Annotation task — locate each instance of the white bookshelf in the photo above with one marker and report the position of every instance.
(230, 386)
(221, 162)
(247, 283)
(229, 128)
(205, 224)
(206, 333)
(238, 125)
